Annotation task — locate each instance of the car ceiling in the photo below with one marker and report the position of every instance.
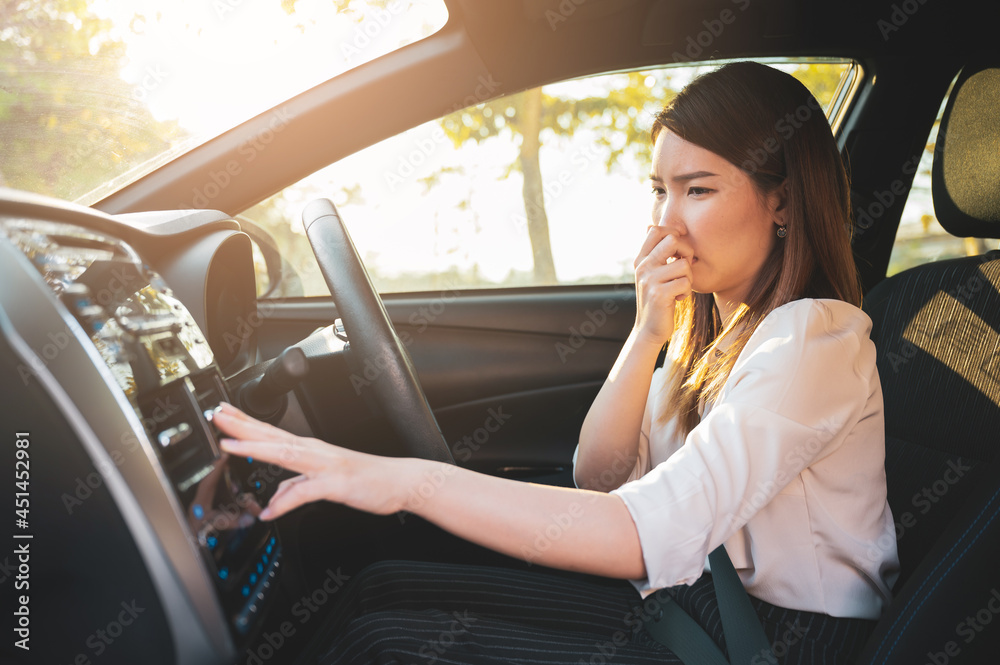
(518, 44)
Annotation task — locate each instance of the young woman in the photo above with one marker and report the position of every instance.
(763, 431)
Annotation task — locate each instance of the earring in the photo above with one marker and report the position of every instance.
(782, 231)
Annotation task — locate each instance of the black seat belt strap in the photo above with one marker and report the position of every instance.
(745, 639)
(674, 629)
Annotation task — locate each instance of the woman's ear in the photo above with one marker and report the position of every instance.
(778, 202)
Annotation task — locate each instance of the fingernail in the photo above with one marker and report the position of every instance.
(266, 514)
(229, 444)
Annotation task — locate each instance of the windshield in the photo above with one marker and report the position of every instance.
(95, 94)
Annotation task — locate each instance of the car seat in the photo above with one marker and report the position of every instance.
(937, 330)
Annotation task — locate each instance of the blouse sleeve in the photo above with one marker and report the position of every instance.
(792, 397)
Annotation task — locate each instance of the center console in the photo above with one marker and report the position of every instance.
(192, 508)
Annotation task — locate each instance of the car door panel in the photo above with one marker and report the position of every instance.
(510, 375)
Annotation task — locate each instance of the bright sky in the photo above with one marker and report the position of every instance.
(212, 63)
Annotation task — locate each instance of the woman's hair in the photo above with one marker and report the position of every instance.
(769, 125)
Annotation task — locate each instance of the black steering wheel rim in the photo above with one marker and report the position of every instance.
(373, 338)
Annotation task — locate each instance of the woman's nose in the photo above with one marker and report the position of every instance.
(667, 217)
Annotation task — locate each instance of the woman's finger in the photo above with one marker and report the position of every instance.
(307, 491)
(293, 455)
(668, 248)
(286, 485)
(226, 407)
(654, 236)
(228, 410)
(244, 427)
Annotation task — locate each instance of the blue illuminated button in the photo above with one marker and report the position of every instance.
(264, 558)
(223, 573)
(249, 460)
(268, 548)
(257, 484)
(260, 568)
(245, 591)
(253, 578)
(212, 542)
(272, 541)
(198, 511)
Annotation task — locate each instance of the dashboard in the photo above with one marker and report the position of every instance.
(134, 531)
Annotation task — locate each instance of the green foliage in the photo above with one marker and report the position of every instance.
(67, 119)
(626, 112)
(821, 79)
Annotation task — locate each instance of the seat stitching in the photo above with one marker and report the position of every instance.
(945, 574)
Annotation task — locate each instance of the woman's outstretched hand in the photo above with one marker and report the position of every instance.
(325, 471)
(662, 277)
(596, 534)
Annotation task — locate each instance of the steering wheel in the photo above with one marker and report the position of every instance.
(372, 338)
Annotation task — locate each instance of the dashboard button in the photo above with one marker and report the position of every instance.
(174, 435)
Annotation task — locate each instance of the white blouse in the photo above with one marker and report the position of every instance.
(786, 468)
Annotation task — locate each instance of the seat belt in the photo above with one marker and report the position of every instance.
(674, 629)
(745, 638)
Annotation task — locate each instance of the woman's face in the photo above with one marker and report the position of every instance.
(713, 210)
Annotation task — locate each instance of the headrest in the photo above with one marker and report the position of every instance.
(966, 173)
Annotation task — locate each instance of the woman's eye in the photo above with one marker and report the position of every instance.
(658, 191)
(698, 191)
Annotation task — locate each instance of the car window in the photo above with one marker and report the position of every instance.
(920, 237)
(95, 94)
(545, 187)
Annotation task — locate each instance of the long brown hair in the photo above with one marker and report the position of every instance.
(768, 124)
